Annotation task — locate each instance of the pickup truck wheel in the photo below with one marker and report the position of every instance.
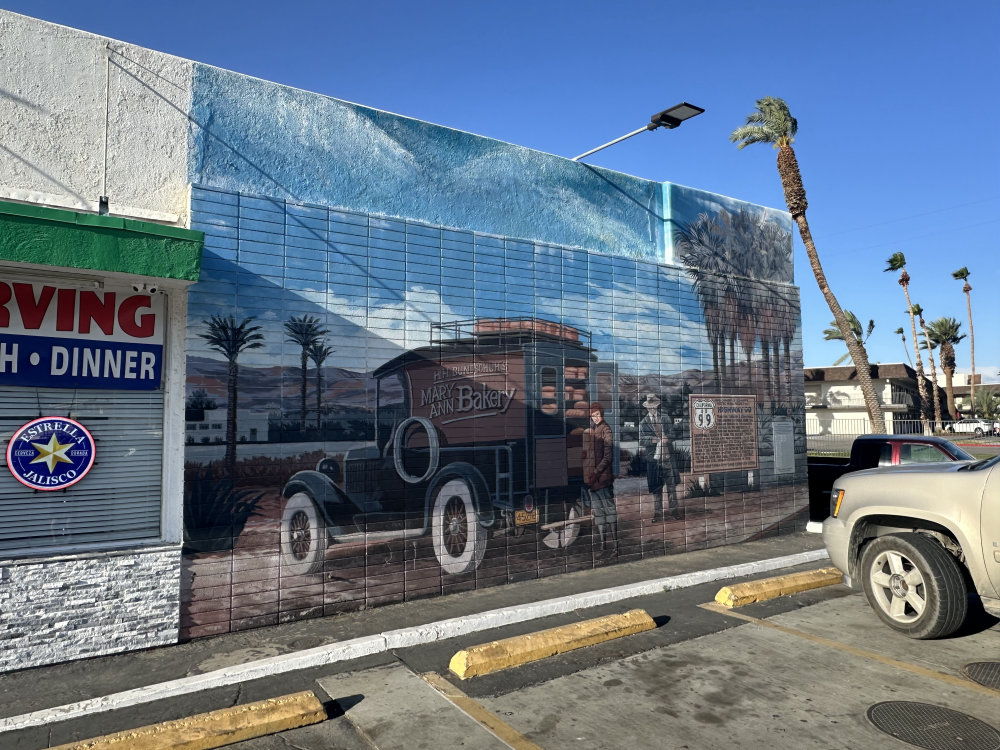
(303, 536)
(914, 585)
(459, 539)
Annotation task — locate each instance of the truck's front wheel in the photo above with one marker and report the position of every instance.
(303, 536)
(459, 539)
(914, 585)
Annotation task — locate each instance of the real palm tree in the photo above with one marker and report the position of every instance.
(944, 334)
(833, 333)
(962, 274)
(899, 332)
(305, 331)
(929, 346)
(771, 122)
(897, 262)
(988, 404)
(319, 352)
(231, 339)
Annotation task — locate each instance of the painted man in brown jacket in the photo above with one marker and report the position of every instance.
(598, 455)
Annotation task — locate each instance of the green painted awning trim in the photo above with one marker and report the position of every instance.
(68, 239)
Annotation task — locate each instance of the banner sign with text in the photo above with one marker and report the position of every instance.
(56, 335)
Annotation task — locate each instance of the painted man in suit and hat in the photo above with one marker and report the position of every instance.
(655, 432)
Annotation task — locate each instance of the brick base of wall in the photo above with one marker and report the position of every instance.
(73, 606)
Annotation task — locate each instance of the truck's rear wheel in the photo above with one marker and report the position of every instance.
(459, 540)
(914, 585)
(303, 536)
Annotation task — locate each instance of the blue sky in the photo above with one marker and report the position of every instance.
(896, 102)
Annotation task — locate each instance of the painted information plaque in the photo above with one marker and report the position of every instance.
(723, 432)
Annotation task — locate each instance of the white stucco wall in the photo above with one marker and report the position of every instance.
(82, 116)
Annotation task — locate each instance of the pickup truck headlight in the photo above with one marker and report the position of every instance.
(838, 498)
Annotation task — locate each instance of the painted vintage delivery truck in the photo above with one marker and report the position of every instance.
(479, 432)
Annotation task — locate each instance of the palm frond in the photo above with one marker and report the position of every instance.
(896, 262)
(771, 122)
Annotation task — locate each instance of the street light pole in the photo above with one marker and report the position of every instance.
(668, 118)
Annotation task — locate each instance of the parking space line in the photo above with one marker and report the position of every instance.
(854, 650)
(477, 711)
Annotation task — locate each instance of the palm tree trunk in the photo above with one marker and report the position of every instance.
(949, 372)
(788, 370)
(304, 364)
(795, 198)
(766, 351)
(777, 370)
(921, 384)
(858, 354)
(934, 383)
(715, 362)
(319, 399)
(232, 394)
(972, 350)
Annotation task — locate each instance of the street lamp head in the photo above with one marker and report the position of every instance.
(671, 118)
(668, 118)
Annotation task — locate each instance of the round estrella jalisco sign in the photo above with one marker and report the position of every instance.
(50, 453)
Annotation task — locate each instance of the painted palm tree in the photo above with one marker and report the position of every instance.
(962, 274)
(944, 334)
(897, 262)
(304, 330)
(771, 122)
(732, 258)
(929, 346)
(902, 335)
(319, 352)
(231, 339)
(833, 333)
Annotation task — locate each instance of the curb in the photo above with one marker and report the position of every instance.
(413, 636)
(740, 594)
(513, 652)
(215, 728)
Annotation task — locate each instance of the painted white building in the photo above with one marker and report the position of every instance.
(251, 426)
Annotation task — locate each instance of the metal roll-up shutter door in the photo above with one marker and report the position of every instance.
(119, 500)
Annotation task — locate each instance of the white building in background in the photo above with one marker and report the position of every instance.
(835, 405)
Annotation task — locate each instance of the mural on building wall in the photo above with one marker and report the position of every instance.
(251, 136)
(381, 409)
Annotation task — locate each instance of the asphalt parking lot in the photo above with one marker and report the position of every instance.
(801, 671)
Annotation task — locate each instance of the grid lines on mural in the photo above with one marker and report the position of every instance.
(414, 413)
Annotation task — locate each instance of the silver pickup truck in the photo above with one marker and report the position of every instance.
(919, 539)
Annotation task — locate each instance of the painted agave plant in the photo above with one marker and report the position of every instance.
(215, 512)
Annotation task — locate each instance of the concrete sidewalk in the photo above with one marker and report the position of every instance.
(43, 695)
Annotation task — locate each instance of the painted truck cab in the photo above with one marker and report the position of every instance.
(480, 432)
